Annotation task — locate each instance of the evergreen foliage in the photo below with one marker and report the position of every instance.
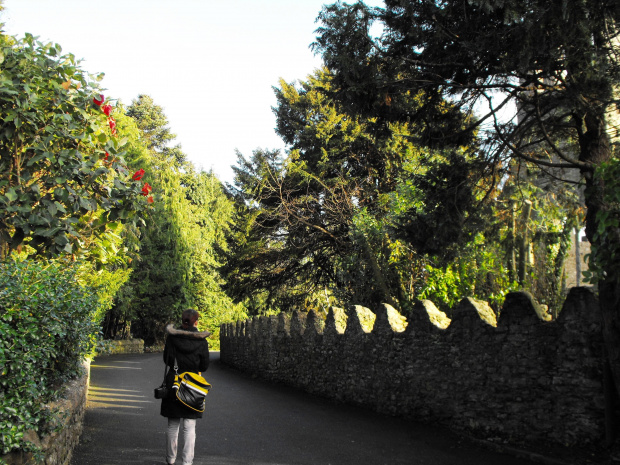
(390, 196)
(181, 248)
(47, 327)
(535, 80)
(324, 224)
(63, 179)
(541, 78)
(299, 210)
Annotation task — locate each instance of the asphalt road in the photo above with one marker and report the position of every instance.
(249, 421)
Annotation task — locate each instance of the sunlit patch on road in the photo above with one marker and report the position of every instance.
(99, 397)
(115, 367)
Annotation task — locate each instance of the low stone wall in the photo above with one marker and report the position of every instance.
(517, 378)
(58, 446)
(125, 346)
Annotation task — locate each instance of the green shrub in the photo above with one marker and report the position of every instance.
(46, 330)
(603, 260)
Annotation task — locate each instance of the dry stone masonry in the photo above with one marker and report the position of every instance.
(516, 378)
(57, 446)
(127, 346)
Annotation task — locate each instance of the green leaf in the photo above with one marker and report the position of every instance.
(60, 207)
(61, 239)
(61, 194)
(11, 194)
(85, 204)
(37, 158)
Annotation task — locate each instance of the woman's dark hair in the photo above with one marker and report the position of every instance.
(189, 317)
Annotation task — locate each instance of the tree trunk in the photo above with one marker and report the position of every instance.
(376, 271)
(595, 149)
(524, 249)
(512, 255)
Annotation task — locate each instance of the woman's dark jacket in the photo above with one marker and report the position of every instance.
(192, 354)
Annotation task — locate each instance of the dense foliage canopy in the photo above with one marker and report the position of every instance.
(63, 179)
(537, 80)
(363, 211)
(47, 327)
(181, 248)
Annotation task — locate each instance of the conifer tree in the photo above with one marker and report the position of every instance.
(537, 81)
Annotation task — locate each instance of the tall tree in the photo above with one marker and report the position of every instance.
(538, 78)
(181, 247)
(153, 124)
(208, 218)
(302, 209)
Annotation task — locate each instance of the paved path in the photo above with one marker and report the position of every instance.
(252, 422)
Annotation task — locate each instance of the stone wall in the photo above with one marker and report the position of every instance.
(57, 446)
(123, 346)
(515, 378)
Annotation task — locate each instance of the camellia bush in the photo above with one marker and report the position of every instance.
(64, 182)
(46, 330)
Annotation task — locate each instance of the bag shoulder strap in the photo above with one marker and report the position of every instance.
(175, 366)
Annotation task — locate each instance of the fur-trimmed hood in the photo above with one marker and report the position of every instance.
(186, 342)
(172, 331)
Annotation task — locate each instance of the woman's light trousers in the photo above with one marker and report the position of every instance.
(188, 430)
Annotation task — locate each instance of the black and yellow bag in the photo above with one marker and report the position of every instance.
(191, 390)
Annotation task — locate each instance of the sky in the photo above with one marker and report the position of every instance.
(211, 64)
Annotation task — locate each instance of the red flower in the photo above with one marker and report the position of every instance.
(112, 123)
(146, 189)
(107, 109)
(138, 175)
(99, 100)
(150, 199)
(107, 156)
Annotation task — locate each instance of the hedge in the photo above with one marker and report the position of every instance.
(46, 330)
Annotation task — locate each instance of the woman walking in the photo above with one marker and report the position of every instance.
(190, 349)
